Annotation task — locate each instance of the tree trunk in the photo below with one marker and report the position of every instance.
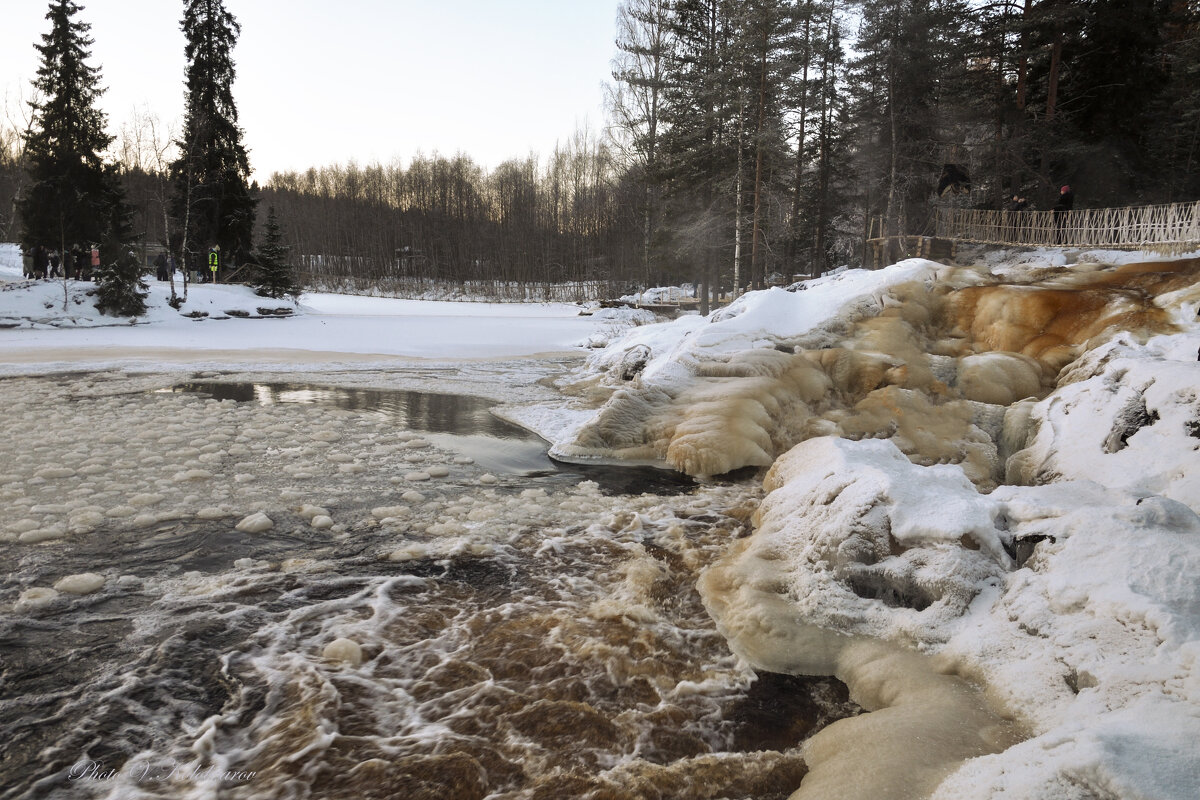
(893, 169)
(756, 266)
(823, 166)
(799, 185)
(62, 257)
(1023, 60)
(737, 213)
(1051, 102)
(1052, 85)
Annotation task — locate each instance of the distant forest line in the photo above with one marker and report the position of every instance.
(751, 138)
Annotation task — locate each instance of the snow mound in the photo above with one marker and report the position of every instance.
(1127, 416)
(1094, 631)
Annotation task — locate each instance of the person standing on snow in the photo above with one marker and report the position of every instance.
(41, 262)
(81, 262)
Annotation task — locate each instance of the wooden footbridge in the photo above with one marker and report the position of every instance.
(1170, 228)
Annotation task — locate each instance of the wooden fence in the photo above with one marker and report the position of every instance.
(1170, 228)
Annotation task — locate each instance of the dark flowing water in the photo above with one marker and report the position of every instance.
(537, 638)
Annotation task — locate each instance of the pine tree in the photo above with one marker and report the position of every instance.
(213, 200)
(699, 145)
(910, 57)
(726, 166)
(637, 102)
(70, 193)
(763, 45)
(121, 290)
(1174, 130)
(275, 278)
(825, 202)
(1115, 78)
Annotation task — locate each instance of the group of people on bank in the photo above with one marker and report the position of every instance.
(83, 263)
(79, 263)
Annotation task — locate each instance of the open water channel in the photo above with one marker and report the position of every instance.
(524, 629)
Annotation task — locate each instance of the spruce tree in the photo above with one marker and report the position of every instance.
(213, 200)
(274, 278)
(1115, 77)
(910, 56)
(121, 289)
(1174, 130)
(761, 49)
(723, 153)
(70, 193)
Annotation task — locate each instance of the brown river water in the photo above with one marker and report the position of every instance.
(526, 629)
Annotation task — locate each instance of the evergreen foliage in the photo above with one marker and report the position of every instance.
(121, 289)
(71, 192)
(1173, 125)
(701, 100)
(274, 275)
(700, 145)
(1023, 95)
(911, 55)
(213, 201)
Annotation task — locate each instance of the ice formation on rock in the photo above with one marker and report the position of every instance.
(923, 354)
(1125, 415)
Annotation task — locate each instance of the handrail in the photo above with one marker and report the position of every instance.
(1172, 227)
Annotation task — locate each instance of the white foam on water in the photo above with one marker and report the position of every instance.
(256, 523)
(82, 583)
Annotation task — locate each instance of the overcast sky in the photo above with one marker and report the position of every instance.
(324, 81)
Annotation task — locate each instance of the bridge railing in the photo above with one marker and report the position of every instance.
(1174, 227)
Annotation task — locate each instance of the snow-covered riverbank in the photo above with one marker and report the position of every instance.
(232, 322)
